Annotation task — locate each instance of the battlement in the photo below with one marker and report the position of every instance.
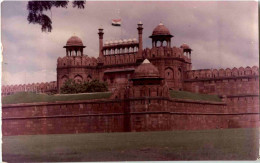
(117, 44)
(120, 56)
(120, 52)
(123, 58)
(221, 73)
(33, 87)
(167, 52)
(76, 61)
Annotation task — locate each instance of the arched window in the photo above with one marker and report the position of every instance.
(164, 43)
(157, 43)
(169, 73)
(78, 79)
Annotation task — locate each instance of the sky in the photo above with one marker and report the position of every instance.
(221, 34)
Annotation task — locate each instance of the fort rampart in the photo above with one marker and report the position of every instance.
(34, 87)
(132, 114)
(223, 82)
(140, 80)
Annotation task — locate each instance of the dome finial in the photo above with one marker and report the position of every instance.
(146, 70)
(74, 41)
(185, 46)
(161, 30)
(146, 61)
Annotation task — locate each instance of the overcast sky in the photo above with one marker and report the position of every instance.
(221, 34)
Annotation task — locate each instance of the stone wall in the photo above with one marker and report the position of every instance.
(171, 62)
(63, 117)
(33, 87)
(239, 113)
(164, 114)
(223, 82)
(134, 114)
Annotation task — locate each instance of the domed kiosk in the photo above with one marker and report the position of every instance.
(147, 82)
(74, 41)
(74, 46)
(146, 74)
(161, 34)
(186, 49)
(146, 70)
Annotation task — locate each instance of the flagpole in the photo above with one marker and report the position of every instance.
(121, 31)
(119, 15)
(117, 22)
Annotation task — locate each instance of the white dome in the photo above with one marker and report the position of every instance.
(129, 40)
(116, 42)
(120, 41)
(134, 39)
(124, 41)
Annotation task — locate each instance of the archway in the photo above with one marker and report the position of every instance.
(169, 73)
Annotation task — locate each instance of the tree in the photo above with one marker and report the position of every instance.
(70, 86)
(36, 11)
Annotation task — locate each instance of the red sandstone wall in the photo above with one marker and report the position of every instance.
(63, 125)
(155, 114)
(74, 117)
(135, 114)
(191, 115)
(239, 113)
(33, 87)
(223, 82)
(166, 59)
(80, 68)
(172, 64)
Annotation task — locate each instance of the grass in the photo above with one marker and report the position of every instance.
(225, 144)
(29, 97)
(194, 96)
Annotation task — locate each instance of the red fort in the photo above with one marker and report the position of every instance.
(141, 81)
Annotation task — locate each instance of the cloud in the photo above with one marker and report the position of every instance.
(24, 77)
(221, 34)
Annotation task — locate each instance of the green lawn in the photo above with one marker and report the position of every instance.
(225, 144)
(29, 97)
(194, 96)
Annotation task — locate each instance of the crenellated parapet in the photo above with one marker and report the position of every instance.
(120, 52)
(166, 52)
(222, 73)
(236, 81)
(120, 46)
(42, 87)
(76, 61)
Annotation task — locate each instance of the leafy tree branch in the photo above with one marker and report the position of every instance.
(36, 11)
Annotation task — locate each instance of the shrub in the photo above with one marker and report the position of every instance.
(70, 86)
